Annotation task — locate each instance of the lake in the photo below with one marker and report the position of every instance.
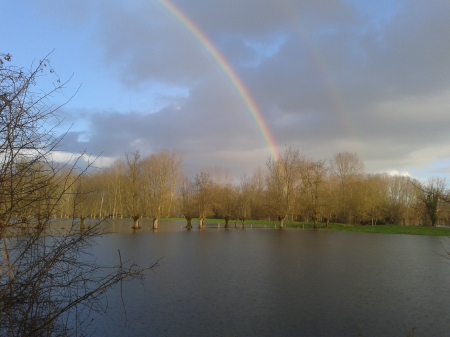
(271, 282)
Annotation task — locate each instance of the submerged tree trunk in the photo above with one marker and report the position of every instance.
(101, 204)
(155, 223)
(200, 222)
(227, 219)
(136, 221)
(189, 222)
(82, 224)
(281, 221)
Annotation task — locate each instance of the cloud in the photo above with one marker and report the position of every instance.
(326, 76)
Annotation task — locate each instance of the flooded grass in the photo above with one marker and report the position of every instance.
(380, 229)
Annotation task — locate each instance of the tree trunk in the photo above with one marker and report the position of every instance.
(226, 218)
(200, 222)
(189, 222)
(82, 224)
(327, 221)
(243, 222)
(155, 223)
(314, 222)
(136, 221)
(101, 204)
(281, 221)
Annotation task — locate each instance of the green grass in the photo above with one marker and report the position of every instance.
(381, 229)
(393, 229)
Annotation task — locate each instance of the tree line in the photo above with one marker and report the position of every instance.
(291, 187)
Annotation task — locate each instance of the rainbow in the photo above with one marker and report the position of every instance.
(228, 71)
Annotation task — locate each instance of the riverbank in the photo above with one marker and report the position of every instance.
(380, 229)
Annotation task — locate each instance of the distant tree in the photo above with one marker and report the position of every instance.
(348, 168)
(246, 192)
(227, 202)
(256, 190)
(433, 192)
(187, 200)
(282, 183)
(330, 199)
(375, 191)
(205, 196)
(133, 188)
(115, 181)
(159, 180)
(83, 201)
(313, 178)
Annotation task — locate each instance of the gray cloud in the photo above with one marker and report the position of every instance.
(327, 75)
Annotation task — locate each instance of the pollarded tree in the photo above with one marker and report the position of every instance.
(132, 188)
(205, 196)
(283, 180)
(247, 192)
(227, 202)
(159, 179)
(313, 178)
(187, 200)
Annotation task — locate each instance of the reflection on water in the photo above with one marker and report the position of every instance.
(265, 282)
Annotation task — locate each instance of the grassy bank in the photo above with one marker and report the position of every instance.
(382, 229)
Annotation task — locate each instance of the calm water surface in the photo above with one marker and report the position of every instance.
(267, 282)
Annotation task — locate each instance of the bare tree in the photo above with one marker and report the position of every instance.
(330, 199)
(132, 188)
(375, 191)
(205, 196)
(115, 181)
(187, 201)
(160, 175)
(246, 191)
(255, 189)
(313, 176)
(347, 167)
(48, 284)
(283, 181)
(83, 199)
(400, 198)
(431, 195)
(227, 202)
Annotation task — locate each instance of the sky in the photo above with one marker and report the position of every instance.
(230, 82)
